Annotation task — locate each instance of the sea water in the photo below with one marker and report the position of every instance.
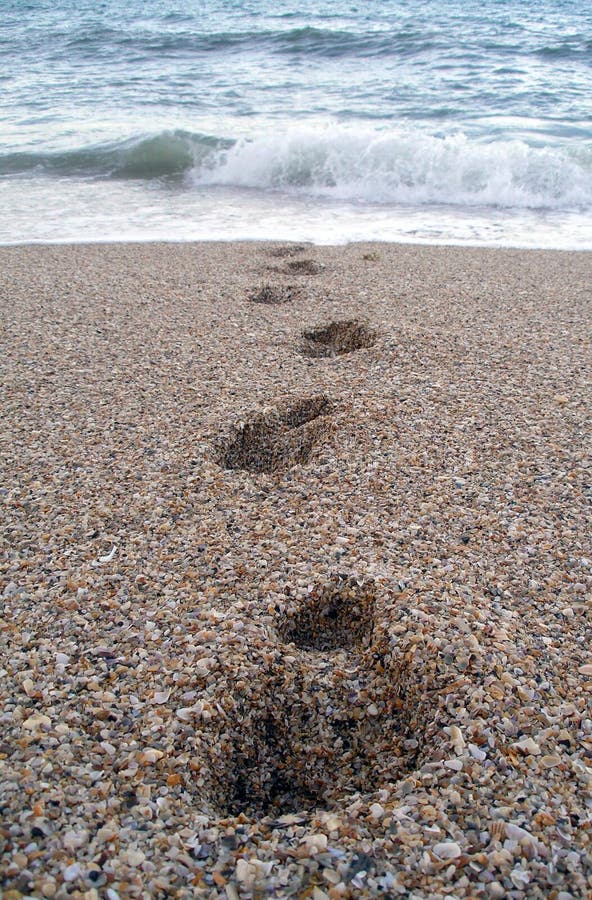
(438, 121)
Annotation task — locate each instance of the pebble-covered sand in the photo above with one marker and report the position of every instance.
(296, 572)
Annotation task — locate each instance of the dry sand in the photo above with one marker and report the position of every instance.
(285, 620)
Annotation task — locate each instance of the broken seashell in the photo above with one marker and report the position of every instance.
(447, 850)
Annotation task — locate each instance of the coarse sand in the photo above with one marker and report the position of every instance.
(296, 572)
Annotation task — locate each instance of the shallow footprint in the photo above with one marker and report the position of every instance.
(304, 267)
(286, 250)
(274, 295)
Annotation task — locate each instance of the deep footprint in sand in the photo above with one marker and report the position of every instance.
(340, 616)
(277, 440)
(337, 338)
(322, 720)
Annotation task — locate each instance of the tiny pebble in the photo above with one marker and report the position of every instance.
(477, 753)
(72, 872)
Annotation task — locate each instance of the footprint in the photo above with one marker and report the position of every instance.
(337, 617)
(286, 250)
(275, 295)
(280, 439)
(316, 722)
(337, 338)
(304, 267)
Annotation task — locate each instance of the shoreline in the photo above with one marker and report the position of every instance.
(458, 245)
(279, 617)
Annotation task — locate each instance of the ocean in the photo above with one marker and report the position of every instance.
(426, 121)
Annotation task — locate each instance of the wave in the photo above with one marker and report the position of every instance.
(307, 40)
(398, 41)
(406, 167)
(337, 43)
(168, 154)
(576, 49)
(341, 163)
(395, 40)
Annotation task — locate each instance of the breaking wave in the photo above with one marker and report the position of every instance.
(389, 167)
(406, 167)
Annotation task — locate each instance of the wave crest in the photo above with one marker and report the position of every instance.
(405, 167)
(167, 154)
(396, 167)
(302, 41)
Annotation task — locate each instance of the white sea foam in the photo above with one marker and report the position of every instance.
(405, 167)
(136, 210)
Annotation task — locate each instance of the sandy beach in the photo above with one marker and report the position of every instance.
(296, 572)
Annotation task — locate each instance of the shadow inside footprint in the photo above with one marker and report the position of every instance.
(337, 338)
(309, 736)
(279, 439)
(287, 250)
(304, 267)
(334, 617)
(274, 295)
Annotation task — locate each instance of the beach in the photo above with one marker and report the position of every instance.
(296, 571)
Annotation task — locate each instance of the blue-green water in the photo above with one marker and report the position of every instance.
(432, 121)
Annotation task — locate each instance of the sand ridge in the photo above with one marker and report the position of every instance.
(361, 665)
